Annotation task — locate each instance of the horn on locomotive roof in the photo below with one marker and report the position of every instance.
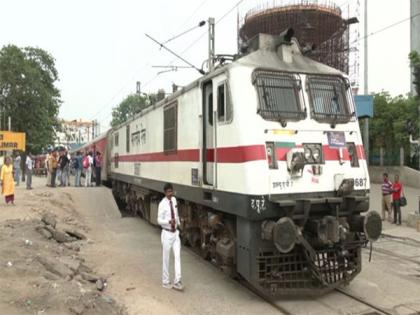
(268, 42)
(286, 35)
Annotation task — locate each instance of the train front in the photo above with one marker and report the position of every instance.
(304, 233)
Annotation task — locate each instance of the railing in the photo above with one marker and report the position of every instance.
(394, 157)
(290, 4)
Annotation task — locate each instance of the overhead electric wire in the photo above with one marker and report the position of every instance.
(145, 66)
(195, 41)
(204, 33)
(202, 23)
(193, 14)
(227, 13)
(174, 53)
(385, 28)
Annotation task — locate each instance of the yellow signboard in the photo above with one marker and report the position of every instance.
(10, 141)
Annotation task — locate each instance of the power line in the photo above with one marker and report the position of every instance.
(202, 23)
(230, 11)
(175, 54)
(195, 41)
(385, 28)
(111, 100)
(145, 66)
(192, 14)
(204, 33)
(217, 21)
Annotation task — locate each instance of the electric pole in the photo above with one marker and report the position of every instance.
(211, 44)
(366, 80)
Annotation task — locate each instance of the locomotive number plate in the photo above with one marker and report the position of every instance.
(360, 182)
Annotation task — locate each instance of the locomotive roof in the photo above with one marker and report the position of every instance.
(267, 55)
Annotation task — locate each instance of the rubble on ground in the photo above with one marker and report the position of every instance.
(56, 278)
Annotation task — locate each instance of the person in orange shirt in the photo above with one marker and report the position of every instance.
(53, 164)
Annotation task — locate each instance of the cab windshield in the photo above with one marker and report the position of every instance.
(328, 99)
(279, 95)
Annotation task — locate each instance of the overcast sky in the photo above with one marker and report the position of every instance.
(101, 50)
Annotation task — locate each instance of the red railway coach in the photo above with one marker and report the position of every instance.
(99, 144)
(266, 158)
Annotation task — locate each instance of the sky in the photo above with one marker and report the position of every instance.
(101, 50)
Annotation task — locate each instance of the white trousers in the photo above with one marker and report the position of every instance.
(171, 241)
(88, 176)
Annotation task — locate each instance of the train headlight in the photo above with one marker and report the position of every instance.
(313, 153)
(308, 154)
(316, 153)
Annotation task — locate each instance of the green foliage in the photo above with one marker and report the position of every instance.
(130, 106)
(414, 57)
(133, 104)
(388, 126)
(28, 94)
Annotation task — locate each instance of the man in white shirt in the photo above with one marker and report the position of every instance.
(168, 219)
(28, 170)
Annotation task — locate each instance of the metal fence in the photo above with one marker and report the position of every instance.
(394, 157)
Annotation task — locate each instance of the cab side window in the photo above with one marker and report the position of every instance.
(116, 139)
(170, 128)
(127, 138)
(224, 104)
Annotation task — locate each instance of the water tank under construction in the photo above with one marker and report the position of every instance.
(318, 26)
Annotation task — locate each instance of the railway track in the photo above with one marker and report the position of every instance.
(400, 240)
(286, 307)
(310, 305)
(376, 310)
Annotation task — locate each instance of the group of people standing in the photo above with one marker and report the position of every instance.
(59, 165)
(392, 197)
(58, 168)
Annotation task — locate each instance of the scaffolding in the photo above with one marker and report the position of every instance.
(316, 24)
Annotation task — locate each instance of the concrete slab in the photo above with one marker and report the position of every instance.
(390, 282)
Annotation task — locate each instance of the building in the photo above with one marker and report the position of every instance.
(74, 133)
(414, 31)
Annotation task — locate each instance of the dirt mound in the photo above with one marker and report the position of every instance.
(42, 271)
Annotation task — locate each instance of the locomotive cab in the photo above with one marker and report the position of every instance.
(306, 226)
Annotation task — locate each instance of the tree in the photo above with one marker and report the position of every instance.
(388, 126)
(28, 94)
(133, 104)
(414, 57)
(130, 106)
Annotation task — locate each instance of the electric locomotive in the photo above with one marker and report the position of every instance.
(266, 157)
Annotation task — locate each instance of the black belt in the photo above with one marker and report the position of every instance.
(386, 194)
(169, 230)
